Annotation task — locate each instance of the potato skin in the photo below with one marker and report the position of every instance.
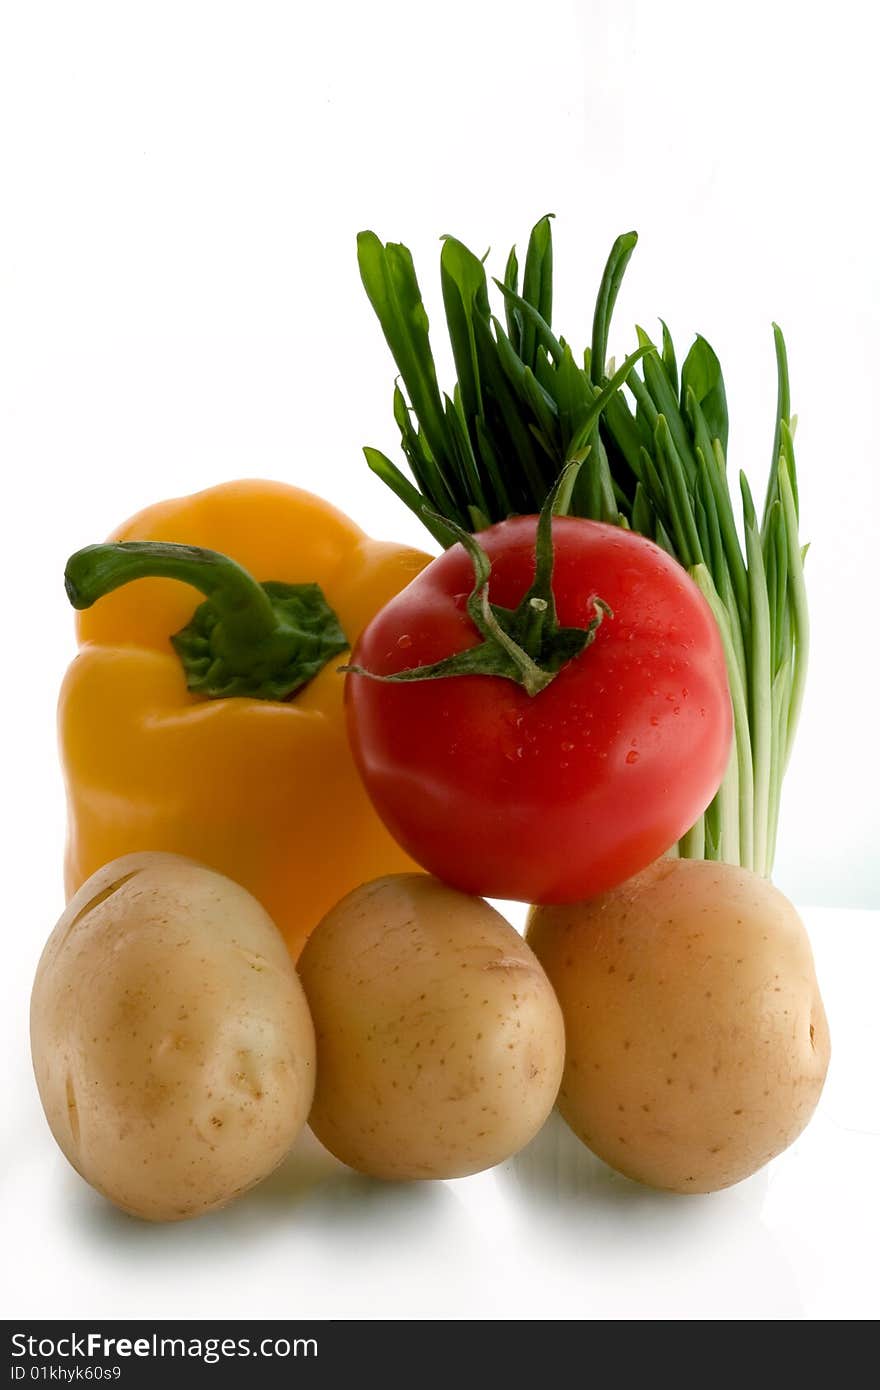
(171, 1040)
(697, 1044)
(440, 1041)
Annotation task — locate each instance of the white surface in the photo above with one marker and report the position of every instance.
(552, 1234)
(182, 184)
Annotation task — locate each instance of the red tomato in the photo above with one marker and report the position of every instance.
(558, 796)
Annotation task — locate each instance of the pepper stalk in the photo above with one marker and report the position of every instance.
(652, 445)
(264, 641)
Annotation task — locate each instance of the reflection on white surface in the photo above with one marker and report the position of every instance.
(625, 1250)
(558, 1170)
(552, 1233)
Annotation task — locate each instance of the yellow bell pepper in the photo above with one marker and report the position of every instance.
(235, 771)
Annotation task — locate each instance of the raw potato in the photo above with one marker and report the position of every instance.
(171, 1040)
(440, 1041)
(697, 1043)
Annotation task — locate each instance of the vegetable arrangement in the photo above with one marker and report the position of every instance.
(525, 404)
(585, 705)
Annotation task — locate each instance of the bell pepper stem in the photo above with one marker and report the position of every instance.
(241, 603)
(260, 640)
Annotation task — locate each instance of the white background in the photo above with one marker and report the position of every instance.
(181, 188)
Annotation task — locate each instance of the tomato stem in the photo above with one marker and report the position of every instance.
(524, 644)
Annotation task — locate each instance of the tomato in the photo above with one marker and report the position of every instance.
(560, 795)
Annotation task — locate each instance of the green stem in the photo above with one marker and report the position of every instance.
(799, 610)
(739, 699)
(780, 706)
(612, 276)
(242, 603)
(259, 640)
(535, 625)
(524, 644)
(727, 800)
(693, 844)
(760, 694)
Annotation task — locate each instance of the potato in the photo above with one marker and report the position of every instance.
(440, 1041)
(697, 1044)
(171, 1040)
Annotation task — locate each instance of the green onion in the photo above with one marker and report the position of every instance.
(653, 444)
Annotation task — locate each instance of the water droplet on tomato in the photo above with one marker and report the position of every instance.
(654, 720)
(566, 748)
(405, 640)
(632, 757)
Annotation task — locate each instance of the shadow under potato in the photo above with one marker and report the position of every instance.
(310, 1171)
(557, 1170)
(309, 1185)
